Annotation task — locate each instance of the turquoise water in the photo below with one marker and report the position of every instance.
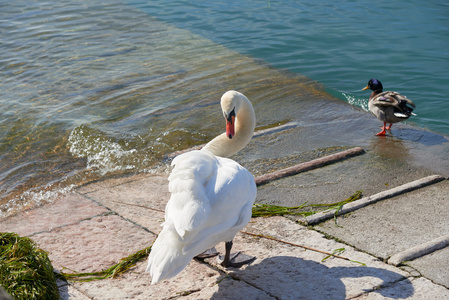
(341, 44)
(95, 89)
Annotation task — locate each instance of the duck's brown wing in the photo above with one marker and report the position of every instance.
(400, 103)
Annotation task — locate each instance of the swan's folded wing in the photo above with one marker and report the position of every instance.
(211, 199)
(189, 206)
(231, 210)
(232, 193)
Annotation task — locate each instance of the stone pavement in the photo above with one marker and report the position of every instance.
(399, 230)
(100, 223)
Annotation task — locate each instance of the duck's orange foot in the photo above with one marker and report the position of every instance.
(382, 133)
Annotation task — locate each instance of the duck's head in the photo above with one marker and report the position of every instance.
(374, 85)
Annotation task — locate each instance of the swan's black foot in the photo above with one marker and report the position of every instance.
(208, 253)
(236, 260)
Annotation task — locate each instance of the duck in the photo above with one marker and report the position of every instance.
(211, 197)
(388, 107)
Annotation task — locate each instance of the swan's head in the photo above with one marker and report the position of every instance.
(375, 85)
(230, 104)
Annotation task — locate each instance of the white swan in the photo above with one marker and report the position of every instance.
(211, 196)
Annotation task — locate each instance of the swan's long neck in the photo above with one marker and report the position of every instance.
(245, 121)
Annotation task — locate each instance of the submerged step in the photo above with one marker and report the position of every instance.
(310, 165)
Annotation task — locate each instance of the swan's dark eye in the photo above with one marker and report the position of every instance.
(231, 114)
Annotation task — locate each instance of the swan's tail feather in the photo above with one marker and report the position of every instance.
(166, 258)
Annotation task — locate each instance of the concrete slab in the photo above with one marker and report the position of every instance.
(384, 228)
(94, 244)
(413, 289)
(142, 200)
(434, 266)
(69, 209)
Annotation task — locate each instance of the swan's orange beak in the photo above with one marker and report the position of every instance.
(230, 132)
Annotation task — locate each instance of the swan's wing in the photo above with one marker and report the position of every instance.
(189, 206)
(231, 192)
(211, 199)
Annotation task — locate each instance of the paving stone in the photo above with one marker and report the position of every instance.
(385, 228)
(197, 281)
(136, 284)
(434, 266)
(69, 209)
(413, 289)
(67, 292)
(229, 288)
(142, 201)
(107, 183)
(94, 244)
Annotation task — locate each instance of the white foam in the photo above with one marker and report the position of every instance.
(103, 155)
(360, 102)
(33, 198)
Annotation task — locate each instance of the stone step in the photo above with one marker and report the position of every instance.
(401, 229)
(419, 250)
(411, 186)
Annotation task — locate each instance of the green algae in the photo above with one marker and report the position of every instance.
(268, 210)
(113, 271)
(25, 270)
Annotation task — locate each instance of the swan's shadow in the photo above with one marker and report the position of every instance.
(286, 277)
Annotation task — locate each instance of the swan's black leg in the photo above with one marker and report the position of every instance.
(235, 260)
(227, 258)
